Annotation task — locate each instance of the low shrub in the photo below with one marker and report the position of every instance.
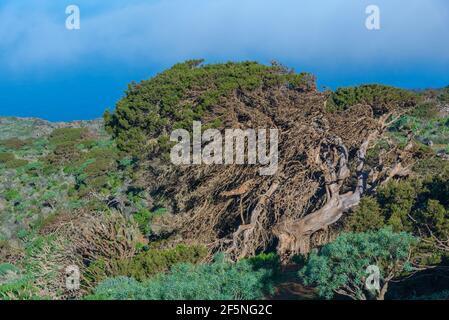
(220, 280)
(146, 264)
(65, 135)
(6, 156)
(379, 97)
(340, 267)
(13, 143)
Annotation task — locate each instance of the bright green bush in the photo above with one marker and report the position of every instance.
(340, 267)
(419, 206)
(9, 161)
(13, 285)
(219, 280)
(12, 195)
(6, 157)
(68, 135)
(269, 261)
(379, 97)
(397, 200)
(13, 143)
(146, 264)
(64, 153)
(367, 216)
(152, 108)
(143, 217)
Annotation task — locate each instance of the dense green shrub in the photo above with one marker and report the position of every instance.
(444, 95)
(413, 203)
(426, 111)
(92, 169)
(219, 280)
(419, 206)
(367, 216)
(174, 98)
(143, 217)
(436, 216)
(9, 161)
(6, 156)
(13, 143)
(13, 285)
(444, 295)
(68, 135)
(64, 153)
(340, 267)
(379, 97)
(146, 264)
(269, 261)
(432, 167)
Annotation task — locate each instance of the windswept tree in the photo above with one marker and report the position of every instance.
(322, 172)
(341, 267)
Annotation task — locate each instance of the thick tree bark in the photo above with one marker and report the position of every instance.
(294, 236)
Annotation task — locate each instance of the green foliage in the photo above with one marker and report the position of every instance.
(13, 143)
(12, 195)
(419, 206)
(269, 261)
(220, 280)
(411, 204)
(152, 109)
(93, 169)
(143, 217)
(68, 135)
(379, 97)
(9, 161)
(64, 153)
(397, 200)
(435, 215)
(425, 111)
(6, 157)
(432, 167)
(367, 216)
(13, 285)
(146, 264)
(340, 267)
(443, 95)
(444, 295)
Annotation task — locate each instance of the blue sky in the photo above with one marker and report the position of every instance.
(50, 72)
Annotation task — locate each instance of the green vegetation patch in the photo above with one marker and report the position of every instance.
(9, 161)
(379, 97)
(340, 267)
(146, 264)
(220, 280)
(64, 135)
(174, 98)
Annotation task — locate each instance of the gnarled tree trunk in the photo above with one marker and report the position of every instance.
(294, 235)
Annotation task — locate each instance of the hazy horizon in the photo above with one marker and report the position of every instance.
(49, 72)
